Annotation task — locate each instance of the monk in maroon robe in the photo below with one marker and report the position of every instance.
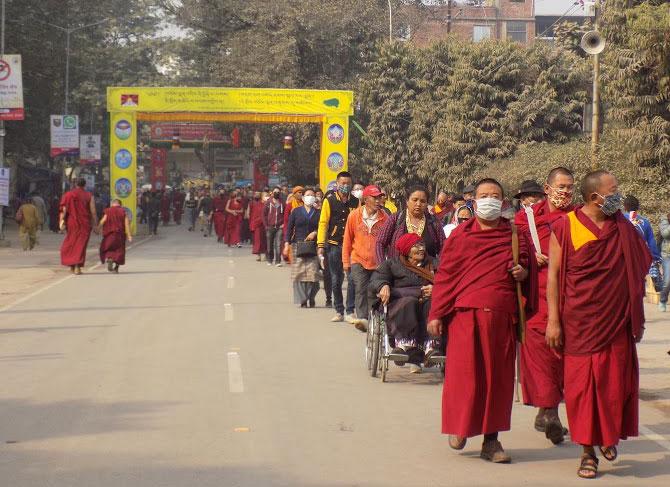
(115, 227)
(165, 208)
(257, 227)
(595, 289)
(234, 216)
(219, 216)
(542, 367)
(178, 206)
(475, 304)
(77, 214)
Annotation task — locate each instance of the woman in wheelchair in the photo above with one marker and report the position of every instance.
(405, 285)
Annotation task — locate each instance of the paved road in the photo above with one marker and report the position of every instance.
(192, 368)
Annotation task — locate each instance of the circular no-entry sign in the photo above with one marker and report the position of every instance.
(5, 70)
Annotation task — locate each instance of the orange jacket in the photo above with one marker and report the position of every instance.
(359, 243)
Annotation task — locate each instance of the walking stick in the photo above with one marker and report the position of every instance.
(521, 326)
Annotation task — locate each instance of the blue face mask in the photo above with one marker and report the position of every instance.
(344, 188)
(611, 203)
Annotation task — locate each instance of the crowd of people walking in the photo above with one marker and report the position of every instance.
(466, 276)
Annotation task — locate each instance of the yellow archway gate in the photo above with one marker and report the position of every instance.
(128, 105)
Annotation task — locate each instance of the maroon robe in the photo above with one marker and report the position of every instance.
(219, 216)
(77, 206)
(257, 227)
(165, 208)
(541, 367)
(233, 222)
(113, 245)
(475, 296)
(601, 292)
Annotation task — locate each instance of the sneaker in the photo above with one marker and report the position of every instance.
(110, 265)
(258, 259)
(270, 264)
(428, 356)
(279, 264)
(350, 318)
(338, 318)
(329, 303)
(662, 307)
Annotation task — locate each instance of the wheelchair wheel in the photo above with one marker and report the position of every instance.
(368, 341)
(376, 346)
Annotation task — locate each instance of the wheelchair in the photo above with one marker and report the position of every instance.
(379, 347)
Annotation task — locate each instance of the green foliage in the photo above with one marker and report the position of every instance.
(124, 50)
(637, 77)
(439, 114)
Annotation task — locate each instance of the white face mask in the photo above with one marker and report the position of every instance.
(357, 193)
(489, 208)
(309, 200)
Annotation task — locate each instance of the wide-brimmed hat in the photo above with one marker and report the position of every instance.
(529, 187)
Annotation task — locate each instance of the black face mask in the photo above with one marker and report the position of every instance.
(462, 220)
(275, 194)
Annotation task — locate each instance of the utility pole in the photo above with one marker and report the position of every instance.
(595, 120)
(390, 21)
(449, 2)
(2, 122)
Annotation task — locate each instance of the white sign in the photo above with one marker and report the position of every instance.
(11, 88)
(64, 135)
(4, 186)
(89, 149)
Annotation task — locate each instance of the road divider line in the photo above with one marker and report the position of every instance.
(235, 382)
(655, 437)
(231, 282)
(228, 312)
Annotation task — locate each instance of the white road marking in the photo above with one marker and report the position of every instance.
(228, 312)
(25, 298)
(231, 282)
(655, 437)
(235, 382)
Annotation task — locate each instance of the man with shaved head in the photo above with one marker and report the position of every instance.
(542, 367)
(475, 303)
(595, 289)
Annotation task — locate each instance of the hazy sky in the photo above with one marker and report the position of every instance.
(557, 7)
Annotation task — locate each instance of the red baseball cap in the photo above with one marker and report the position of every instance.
(372, 190)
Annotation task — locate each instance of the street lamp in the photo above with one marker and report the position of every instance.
(68, 31)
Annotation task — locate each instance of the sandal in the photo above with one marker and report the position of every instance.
(456, 442)
(609, 452)
(588, 467)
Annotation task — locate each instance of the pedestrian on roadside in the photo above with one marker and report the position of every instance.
(463, 214)
(191, 204)
(596, 321)
(359, 258)
(256, 227)
(334, 213)
(41, 206)
(178, 205)
(29, 218)
(234, 216)
(442, 206)
(205, 209)
(541, 367)
(115, 227)
(530, 193)
(474, 304)
(273, 220)
(632, 207)
(301, 235)
(415, 218)
(77, 217)
(153, 210)
(665, 254)
(54, 211)
(165, 207)
(219, 215)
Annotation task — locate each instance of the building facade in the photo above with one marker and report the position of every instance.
(477, 20)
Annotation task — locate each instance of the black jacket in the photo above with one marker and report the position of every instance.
(396, 275)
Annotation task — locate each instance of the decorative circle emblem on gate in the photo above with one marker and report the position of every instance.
(335, 162)
(123, 159)
(335, 133)
(123, 129)
(123, 187)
